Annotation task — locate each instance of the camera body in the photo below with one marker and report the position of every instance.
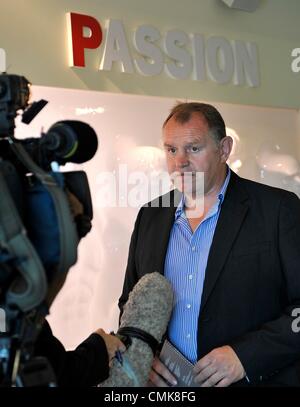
(14, 95)
(43, 215)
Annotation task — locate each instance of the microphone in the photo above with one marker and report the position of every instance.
(70, 140)
(142, 326)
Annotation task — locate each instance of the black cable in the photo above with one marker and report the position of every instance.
(140, 334)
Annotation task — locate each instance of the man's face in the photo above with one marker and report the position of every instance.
(190, 148)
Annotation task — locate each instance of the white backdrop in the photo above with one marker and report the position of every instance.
(129, 129)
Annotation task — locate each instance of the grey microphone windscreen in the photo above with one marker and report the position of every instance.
(148, 308)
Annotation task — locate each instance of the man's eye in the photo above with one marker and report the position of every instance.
(194, 149)
(172, 150)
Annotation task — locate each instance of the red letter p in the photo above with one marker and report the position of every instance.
(78, 41)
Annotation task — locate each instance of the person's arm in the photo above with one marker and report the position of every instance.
(276, 345)
(87, 365)
(131, 274)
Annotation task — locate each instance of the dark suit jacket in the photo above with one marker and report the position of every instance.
(252, 280)
(87, 365)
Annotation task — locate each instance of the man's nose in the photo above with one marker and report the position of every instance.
(182, 161)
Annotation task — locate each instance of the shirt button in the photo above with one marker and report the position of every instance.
(188, 306)
(193, 248)
(190, 277)
(188, 336)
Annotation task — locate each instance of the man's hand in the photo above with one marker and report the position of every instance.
(82, 220)
(113, 344)
(75, 205)
(160, 376)
(220, 368)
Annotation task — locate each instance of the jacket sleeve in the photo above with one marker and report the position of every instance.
(131, 275)
(87, 365)
(276, 344)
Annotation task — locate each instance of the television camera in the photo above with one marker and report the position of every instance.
(43, 215)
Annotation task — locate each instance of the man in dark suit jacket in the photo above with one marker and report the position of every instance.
(248, 265)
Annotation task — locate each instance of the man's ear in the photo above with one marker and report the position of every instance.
(226, 146)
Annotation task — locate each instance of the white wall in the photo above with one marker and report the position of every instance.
(89, 297)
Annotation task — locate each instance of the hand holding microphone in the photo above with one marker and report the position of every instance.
(113, 344)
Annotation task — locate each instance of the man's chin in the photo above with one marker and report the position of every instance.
(189, 190)
(189, 184)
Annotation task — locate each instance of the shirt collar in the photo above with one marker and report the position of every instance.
(221, 195)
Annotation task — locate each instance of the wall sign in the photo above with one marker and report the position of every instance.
(178, 54)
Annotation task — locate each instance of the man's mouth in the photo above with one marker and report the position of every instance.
(188, 174)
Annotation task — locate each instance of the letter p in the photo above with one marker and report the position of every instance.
(78, 42)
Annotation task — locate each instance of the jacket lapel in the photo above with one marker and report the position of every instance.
(163, 223)
(233, 212)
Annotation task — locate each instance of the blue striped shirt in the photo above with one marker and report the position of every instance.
(185, 266)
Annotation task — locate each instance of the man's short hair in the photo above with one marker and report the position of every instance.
(182, 113)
